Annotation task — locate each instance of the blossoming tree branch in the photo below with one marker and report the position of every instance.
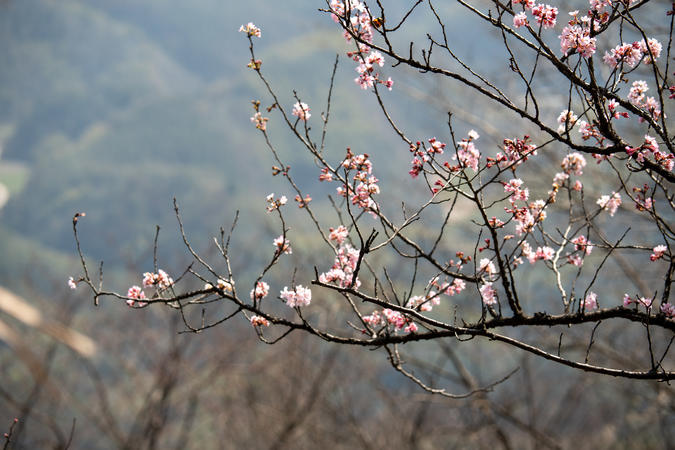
(610, 126)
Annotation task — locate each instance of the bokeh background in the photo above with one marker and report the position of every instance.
(115, 107)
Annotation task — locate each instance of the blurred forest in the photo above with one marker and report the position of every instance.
(115, 107)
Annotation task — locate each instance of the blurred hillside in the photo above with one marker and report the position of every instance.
(113, 108)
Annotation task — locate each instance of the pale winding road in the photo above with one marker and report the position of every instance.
(4, 195)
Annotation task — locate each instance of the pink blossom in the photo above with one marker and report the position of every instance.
(653, 106)
(395, 318)
(520, 20)
(489, 294)
(301, 111)
(456, 287)
(487, 266)
(425, 303)
(659, 251)
(590, 302)
(637, 92)
(325, 175)
(652, 45)
(339, 234)
(260, 291)
(610, 203)
(467, 153)
(250, 29)
(332, 276)
(567, 120)
(545, 253)
(259, 321)
(343, 268)
(545, 15)
(436, 146)
(160, 279)
(559, 178)
(300, 296)
(577, 38)
(581, 243)
(411, 328)
(273, 203)
(574, 163)
(389, 83)
(260, 121)
(575, 260)
(136, 293)
(365, 80)
(527, 4)
(221, 284)
(516, 152)
(645, 301)
(375, 58)
(627, 300)
(629, 54)
(527, 252)
(283, 245)
(599, 5)
(71, 283)
(668, 309)
(374, 319)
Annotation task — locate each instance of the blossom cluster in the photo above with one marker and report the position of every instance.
(135, 293)
(447, 288)
(488, 294)
(544, 15)
(299, 296)
(526, 216)
(391, 317)
(259, 121)
(573, 163)
(342, 271)
(610, 203)
(659, 251)
(364, 183)
(160, 279)
(567, 121)
(516, 152)
(642, 199)
(259, 321)
(338, 234)
(577, 36)
(644, 301)
(275, 203)
(221, 284)
(637, 97)
(301, 111)
(591, 301)
(467, 153)
(651, 148)
(541, 253)
(668, 309)
(250, 29)
(354, 15)
(633, 53)
(424, 154)
(283, 245)
(260, 291)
